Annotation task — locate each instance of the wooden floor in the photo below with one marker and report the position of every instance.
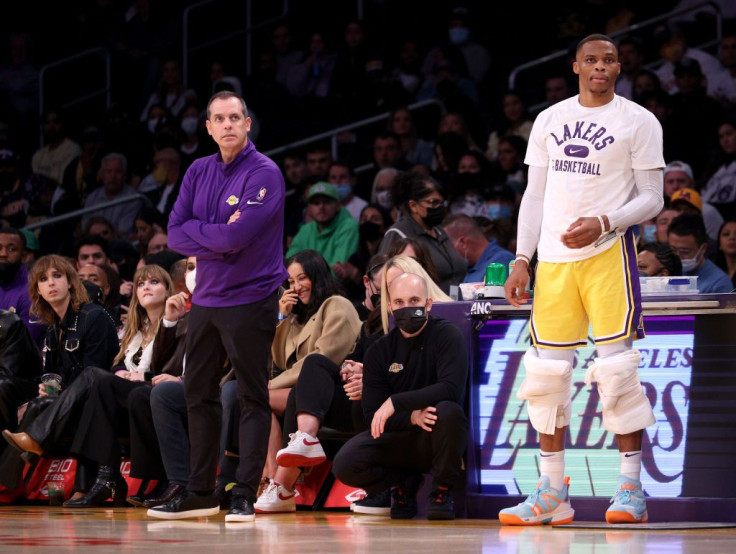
(122, 530)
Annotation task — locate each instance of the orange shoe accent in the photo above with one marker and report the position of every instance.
(510, 519)
(562, 521)
(623, 517)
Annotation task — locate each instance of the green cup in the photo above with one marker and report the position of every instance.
(51, 383)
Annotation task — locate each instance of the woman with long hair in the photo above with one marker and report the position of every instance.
(317, 319)
(514, 120)
(98, 433)
(726, 254)
(415, 150)
(79, 347)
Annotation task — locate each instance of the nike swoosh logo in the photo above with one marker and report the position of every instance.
(310, 443)
(576, 151)
(252, 202)
(631, 455)
(282, 497)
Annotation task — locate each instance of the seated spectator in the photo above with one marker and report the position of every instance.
(98, 225)
(317, 319)
(688, 201)
(170, 92)
(96, 438)
(662, 221)
(472, 176)
(515, 120)
(311, 78)
(14, 294)
(332, 232)
(726, 255)
(386, 154)
(318, 160)
(20, 369)
(500, 202)
(414, 249)
(719, 190)
(148, 222)
(157, 244)
(92, 249)
(687, 238)
(413, 149)
(674, 49)
(325, 394)
(658, 260)
(158, 414)
(646, 82)
(80, 176)
(448, 149)
(472, 245)
(52, 159)
(81, 343)
(455, 122)
(422, 201)
(417, 422)
(341, 175)
(113, 171)
(162, 185)
(631, 58)
(109, 282)
(13, 201)
(373, 223)
(679, 175)
(382, 190)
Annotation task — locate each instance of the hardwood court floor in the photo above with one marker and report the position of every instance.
(122, 530)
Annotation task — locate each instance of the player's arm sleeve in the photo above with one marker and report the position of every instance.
(182, 212)
(256, 219)
(645, 205)
(529, 227)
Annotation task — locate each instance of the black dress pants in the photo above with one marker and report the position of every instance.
(145, 454)
(105, 420)
(319, 392)
(244, 334)
(377, 464)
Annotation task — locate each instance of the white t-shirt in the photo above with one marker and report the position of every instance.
(590, 155)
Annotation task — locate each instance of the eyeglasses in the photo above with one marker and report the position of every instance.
(433, 203)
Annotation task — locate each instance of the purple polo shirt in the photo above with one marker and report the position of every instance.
(242, 262)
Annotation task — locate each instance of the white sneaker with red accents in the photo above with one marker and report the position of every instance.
(303, 450)
(275, 500)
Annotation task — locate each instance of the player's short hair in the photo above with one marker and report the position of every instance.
(17, 233)
(595, 37)
(93, 240)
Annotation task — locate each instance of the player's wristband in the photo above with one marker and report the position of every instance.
(603, 224)
(522, 258)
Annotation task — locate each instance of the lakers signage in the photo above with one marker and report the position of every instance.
(508, 444)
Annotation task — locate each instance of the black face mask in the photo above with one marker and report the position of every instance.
(369, 231)
(434, 216)
(8, 271)
(376, 300)
(410, 319)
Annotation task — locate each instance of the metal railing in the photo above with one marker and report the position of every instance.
(85, 53)
(247, 30)
(635, 27)
(88, 210)
(333, 133)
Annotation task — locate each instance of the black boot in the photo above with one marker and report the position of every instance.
(137, 498)
(109, 484)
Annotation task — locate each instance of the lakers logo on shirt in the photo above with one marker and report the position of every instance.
(395, 368)
(232, 200)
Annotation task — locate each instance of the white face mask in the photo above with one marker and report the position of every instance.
(152, 124)
(190, 280)
(384, 199)
(691, 264)
(189, 125)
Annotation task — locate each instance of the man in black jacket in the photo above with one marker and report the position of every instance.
(413, 387)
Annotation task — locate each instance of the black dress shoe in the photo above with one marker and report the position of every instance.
(163, 497)
(105, 488)
(240, 511)
(187, 504)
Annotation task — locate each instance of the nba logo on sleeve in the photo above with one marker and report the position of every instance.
(261, 194)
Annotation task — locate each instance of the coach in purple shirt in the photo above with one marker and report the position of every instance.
(229, 214)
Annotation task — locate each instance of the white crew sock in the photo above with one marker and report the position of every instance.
(552, 464)
(631, 464)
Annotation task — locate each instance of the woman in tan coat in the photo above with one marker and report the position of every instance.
(317, 319)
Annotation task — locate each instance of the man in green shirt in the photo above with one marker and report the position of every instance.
(332, 232)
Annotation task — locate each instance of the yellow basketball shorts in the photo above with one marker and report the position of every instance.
(603, 291)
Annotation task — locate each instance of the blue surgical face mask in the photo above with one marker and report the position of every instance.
(498, 211)
(344, 190)
(459, 35)
(648, 233)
